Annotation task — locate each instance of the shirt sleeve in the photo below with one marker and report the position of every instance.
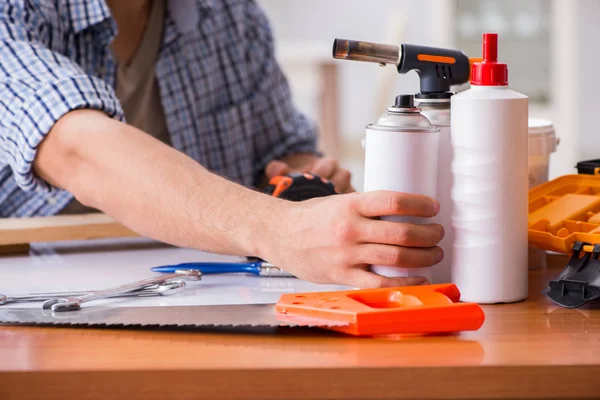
(37, 87)
(280, 128)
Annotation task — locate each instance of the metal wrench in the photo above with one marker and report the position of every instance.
(163, 289)
(74, 303)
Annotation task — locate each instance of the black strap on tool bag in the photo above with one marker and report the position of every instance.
(579, 281)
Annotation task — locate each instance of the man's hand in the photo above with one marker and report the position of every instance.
(325, 167)
(335, 239)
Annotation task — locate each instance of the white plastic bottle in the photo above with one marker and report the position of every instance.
(489, 127)
(401, 154)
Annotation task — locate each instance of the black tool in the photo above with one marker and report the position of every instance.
(579, 281)
(299, 187)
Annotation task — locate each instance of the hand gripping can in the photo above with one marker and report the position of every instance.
(401, 154)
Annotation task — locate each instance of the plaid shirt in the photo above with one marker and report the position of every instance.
(226, 102)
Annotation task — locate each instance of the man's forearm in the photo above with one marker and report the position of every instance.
(152, 188)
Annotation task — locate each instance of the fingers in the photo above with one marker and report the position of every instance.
(397, 256)
(329, 169)
(276, 168)
(362, 279)
(341, 181)
(385, 203)
(401, 233)
(325, 167)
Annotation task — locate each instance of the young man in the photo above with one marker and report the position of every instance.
(208, 117)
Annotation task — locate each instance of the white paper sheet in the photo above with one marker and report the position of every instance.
(99, 264)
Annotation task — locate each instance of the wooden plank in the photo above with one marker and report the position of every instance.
(14, 249)
(312, 383)
(329, 112)
(22, 231)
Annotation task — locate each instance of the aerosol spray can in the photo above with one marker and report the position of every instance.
(436, 107)
(489, 135)
(401, 154)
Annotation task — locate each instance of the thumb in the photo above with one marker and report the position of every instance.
(275, 168)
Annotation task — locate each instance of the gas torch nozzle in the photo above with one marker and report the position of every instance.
(366, 51)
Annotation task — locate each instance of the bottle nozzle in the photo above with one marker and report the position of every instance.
(490, 47)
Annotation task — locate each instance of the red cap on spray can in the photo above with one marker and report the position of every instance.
(489, 72)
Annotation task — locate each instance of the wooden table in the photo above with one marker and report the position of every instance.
(527, 350)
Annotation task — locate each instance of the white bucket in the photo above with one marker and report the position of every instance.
(542, 142)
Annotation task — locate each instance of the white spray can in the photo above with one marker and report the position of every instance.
(489, 127)
(401, 154)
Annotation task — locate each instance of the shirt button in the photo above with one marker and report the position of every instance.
(51, 200)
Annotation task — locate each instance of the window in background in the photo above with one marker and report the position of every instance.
(523, 29)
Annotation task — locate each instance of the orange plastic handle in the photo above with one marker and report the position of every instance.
(409, 309)
(281, 183)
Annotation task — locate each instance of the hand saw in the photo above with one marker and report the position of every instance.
(410, 309)
(259, 317)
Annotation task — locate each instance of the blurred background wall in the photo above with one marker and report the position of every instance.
(551, 48)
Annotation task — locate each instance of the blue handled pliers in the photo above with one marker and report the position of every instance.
(260, 268)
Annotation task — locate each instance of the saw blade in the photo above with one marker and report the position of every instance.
(246, 316)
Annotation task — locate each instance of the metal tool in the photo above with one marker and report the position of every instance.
(260, 268)
(164, 289)
(251, 317)
(74, 303)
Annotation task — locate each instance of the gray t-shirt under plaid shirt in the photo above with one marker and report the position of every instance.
(137, 89)
(226, 103)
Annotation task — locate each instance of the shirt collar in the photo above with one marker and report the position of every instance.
(86, 13)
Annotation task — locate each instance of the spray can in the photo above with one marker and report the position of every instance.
(489, 128)
(436, 107)
(401, 154)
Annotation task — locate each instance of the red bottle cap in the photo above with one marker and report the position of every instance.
(489, 72)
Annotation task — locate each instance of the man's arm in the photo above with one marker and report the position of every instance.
(161, 193)
(153, 189)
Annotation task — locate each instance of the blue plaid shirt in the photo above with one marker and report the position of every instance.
(226, 102)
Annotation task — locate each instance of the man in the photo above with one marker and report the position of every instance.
(208, 117)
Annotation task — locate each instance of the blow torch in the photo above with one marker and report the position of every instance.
(397, 159)
(438, 68)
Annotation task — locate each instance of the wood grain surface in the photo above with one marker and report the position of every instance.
(526, 350)
(22, 231)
